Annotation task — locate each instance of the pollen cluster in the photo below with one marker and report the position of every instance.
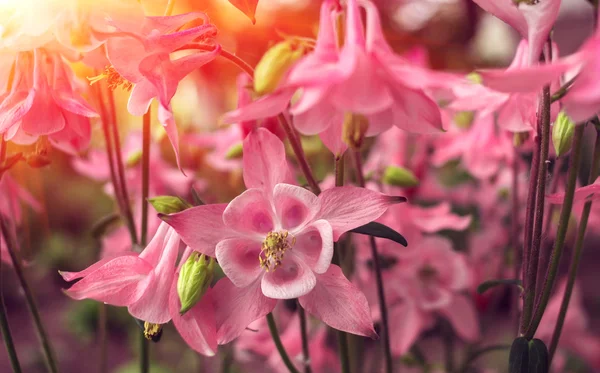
(273, 248)
(113, 79)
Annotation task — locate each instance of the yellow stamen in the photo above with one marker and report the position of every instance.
(113, 79)
(273, 248)
(152, 331)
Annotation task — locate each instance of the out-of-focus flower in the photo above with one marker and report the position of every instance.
(43, 102)
(275, 241)
(140, 55)
(362, 80)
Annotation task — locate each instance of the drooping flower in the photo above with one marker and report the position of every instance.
(43, 102)
(140, 54)
(360, 85)
(275, 241)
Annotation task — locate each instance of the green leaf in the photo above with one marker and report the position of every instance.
(538, 357)
(382, 231)
(485, 286)
(518, 360)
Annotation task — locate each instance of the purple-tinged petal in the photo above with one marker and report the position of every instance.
(238, 257)
(314, 245)
(265, 107)
(406, 323)
(264, 160)
(250, 213)
(294, 206)
(292, 279)
(462, 315)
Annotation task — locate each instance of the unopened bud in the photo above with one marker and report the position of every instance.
(194, 279)
(274, 64)
(475, 78)
(353, 131)
(464, 119)
(399, 176)
(235, 151)
(169, 204)
(562, 134)
(519, 138)
(134, 158)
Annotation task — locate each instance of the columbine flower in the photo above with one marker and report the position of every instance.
(275, 241)
(43, 102)
(362, 80)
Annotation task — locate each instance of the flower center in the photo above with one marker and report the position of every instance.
(273, 248)
(428, 274)
(113, 79)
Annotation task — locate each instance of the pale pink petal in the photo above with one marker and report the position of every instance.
(332, 136)
(267, 106)
(294, 206)
(125, 55)
(119, 282)
(70, 276)
(238, 308)
(540, 18)
(462, 315)
(74, 104)
(314, 245)
(339, 304)
(200, 227)
(165, 117)
(311, 118)
(405, 324)
(291, 279)
(436, 218)
(168, 24)
(264, 162)
(523, 79)
(197, 326)
(238, 257)
(14, 107)
(349, 207)
(581, 194)
(45, 116)
(507, 11)
(415, 112)
(141, 97)
(250, 213)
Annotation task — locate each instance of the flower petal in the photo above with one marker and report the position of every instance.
(197, 326)
(238, 308)
(405, 323)
(294, 206)
(200, 227)
(349, 207)
(292, 279)
(238, 257)
(250, 213)
(314, 245)
(339, 304)
(264, 160)
(463, 317)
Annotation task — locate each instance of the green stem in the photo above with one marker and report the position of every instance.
(4, 326)
(144, 354)
(304, 334)
(102, 337)
(561, 233)
(585, 214)
(146, 134)
(389, 362)
(29, 297)
(275, 335)
(532, 264)
(448, 339)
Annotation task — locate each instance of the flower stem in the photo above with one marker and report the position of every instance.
(585, 214)
(146, 134)
(299, 152)
(102, 337)
(536, 237)
(304, 334)
(514, 228)
(31, 303)
(275, 335)
(4, 327)
(389, 362)
(561, 233)
(144, 354)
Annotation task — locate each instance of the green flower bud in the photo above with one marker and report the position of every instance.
(168, 204)
(562, 134)
(235, 151)
(519, 138)
(194, 279)
(274, 64)
(464, 119)
(399, 176)
(475, 78)
(134, 158)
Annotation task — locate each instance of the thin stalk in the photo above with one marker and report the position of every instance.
(275, 335)
(448, 339)
(102, 337)
(585, 214)
(338, 169)
(514, 228)
(146, 134)
(120, 167)
(299, 152)
(304, 334)
(389, 362)
(561, 233)
(532, 263)
(116, 183)
(529, 212)
(144, 354)
(29, 297)
(4, 326)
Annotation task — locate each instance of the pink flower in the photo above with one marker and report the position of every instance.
(43, 102)
(141, 54)
(275, 241)
(362, 77)
(582, 194)
(533, 20)
(140, 282)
